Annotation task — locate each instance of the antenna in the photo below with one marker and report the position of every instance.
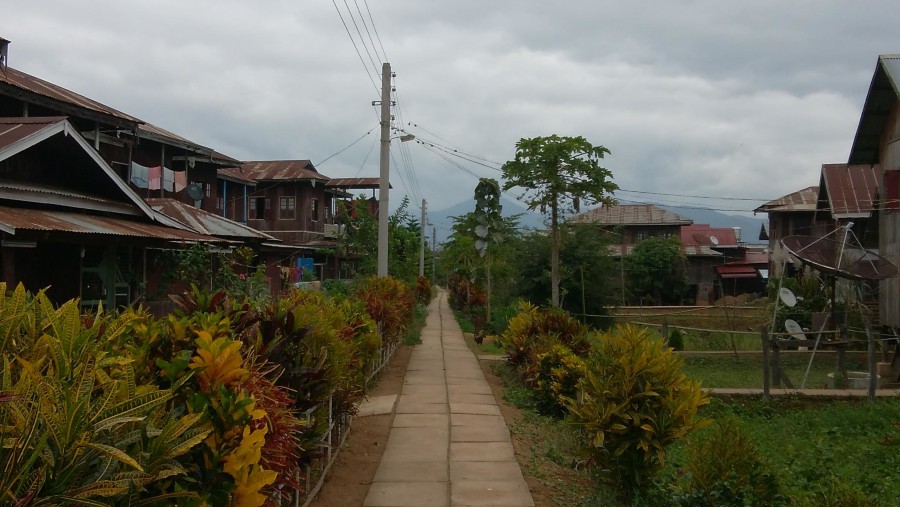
(787, 297)
(839, 258)
(195, 192)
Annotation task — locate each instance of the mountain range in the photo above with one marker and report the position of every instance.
(443, 221)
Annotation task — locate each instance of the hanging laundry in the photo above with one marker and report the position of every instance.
(168, 182)
(154, 175)
(180, 180)
(139, 176)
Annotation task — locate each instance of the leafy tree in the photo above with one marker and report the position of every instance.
(558, 174)
(360, 240)
(590, 280)
(655, 268)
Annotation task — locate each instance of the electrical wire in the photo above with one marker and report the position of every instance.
(376, 31)
(366, 26)
(361, 40)
(366, 67)
(346, 147)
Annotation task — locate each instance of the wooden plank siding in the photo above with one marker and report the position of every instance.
(889, 221)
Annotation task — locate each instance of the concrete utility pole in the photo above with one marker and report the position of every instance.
(433, 254)
(422, 237)
(385, 172)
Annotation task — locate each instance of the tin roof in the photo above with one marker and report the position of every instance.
(53, 196)
(204, 222)
(236, 175)
(728, 271)
(38, 90)
(703, 235)
(354, 183)
(19, 134)
(801, 200)
(849, 190)
(884, 91)
(630, 214)
(14, 220)
(282, 170)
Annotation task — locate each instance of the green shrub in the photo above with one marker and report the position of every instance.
(557, 373)
(635, 402)
(725, 469)
(676, 339)
(390, 304)
(423, 290)
(529, 330)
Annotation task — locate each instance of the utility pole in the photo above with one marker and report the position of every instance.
(433, 254)
(385, 170)
(422, 238)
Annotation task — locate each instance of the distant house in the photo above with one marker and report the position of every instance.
(877, 143)
(632, 223)
(789, 215)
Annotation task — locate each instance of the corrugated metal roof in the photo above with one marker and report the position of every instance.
(16, 130)
(702, 234)
(13, 220)
(28, 83)
(850, 190)
(282, 170)
(884, 91)
(801, 200)
(354, 183)
(630, 214)
(41, 194)
(204, 222)
(236, 175)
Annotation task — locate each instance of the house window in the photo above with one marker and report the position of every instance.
(258, 207)
(219, 203)
(315, 210)
(286, 208)
(208, 189)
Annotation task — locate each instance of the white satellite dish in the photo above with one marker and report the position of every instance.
(714, 240)
(195, 191)
(794, 329)
(787, 297)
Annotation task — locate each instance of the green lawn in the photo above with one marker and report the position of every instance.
(746, 370)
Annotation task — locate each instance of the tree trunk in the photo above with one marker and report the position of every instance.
(554, 253)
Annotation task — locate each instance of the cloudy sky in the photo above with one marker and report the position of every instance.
(736, 100)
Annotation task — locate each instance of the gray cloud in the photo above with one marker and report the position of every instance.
(703, 97)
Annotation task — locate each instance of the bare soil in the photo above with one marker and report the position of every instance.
(347, 484)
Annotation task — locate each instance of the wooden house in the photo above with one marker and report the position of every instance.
(877, 144)
(790, 215)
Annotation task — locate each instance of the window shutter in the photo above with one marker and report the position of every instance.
(268, 212)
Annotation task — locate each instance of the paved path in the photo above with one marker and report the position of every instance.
(449, 445)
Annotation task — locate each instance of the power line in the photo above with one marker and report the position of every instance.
(366, 26)
(361, 40)
(366, 67)
(376, 31)
(374, 140)
(346, 147)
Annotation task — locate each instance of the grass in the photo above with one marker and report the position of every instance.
(815, 445)
(464, 323)
(746, 370)
(491, 347)
(414, 333)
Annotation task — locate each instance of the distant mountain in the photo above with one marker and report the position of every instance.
(442, 219)
(749, 226)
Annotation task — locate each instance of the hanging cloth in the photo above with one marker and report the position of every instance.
(154, 177)
(180, 180)
(139, 176)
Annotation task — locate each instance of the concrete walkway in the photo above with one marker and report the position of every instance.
(449, 445)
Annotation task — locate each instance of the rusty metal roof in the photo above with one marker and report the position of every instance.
(801, 200)
(17, 130)
(282, 170)
(204, 222)
(354, 183)
(849, 190)
(53, 196)
(236, 175)
(884, 91)
(702, 235)
(16, 79)
(14, 220)
(630, 214)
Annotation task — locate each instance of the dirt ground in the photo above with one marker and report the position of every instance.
(351, 475)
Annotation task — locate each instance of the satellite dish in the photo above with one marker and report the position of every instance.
(195, 191)
(714, 240)
(481, 231)
(787, 297)
(842, 259)
(794, 329)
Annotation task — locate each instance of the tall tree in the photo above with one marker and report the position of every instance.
(558, 175)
